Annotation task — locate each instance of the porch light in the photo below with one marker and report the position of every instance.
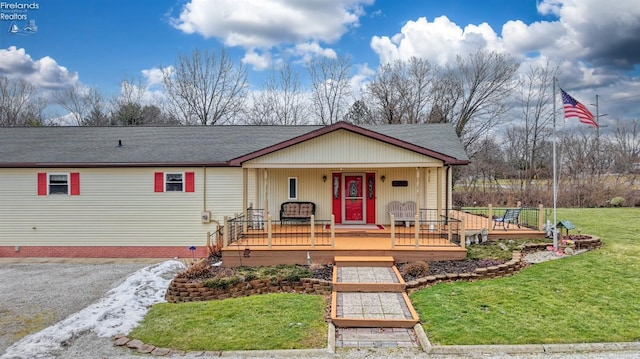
(324, 178)
(383, 178)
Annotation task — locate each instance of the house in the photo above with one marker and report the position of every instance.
(159, 191)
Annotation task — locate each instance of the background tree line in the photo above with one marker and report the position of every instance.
(503, 116)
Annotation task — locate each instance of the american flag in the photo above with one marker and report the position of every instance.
(573, 108)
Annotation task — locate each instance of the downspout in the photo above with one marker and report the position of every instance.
(204, 189)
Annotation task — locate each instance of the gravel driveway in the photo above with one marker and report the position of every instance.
(38, 293)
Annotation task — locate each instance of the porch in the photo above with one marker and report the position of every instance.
(260, 241)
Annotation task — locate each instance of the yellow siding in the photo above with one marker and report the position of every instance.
(342, 149)
(115, 207)
(312, 188)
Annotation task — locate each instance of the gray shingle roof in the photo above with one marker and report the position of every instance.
(185, 145)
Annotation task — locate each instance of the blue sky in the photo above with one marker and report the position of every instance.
(101, 42)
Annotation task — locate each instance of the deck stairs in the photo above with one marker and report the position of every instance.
(369, 292)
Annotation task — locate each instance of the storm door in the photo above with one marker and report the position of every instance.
(353, 202)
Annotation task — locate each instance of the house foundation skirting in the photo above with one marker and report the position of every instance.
(101, 252)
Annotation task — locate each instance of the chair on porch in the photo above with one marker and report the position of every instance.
(510, 216)
(405, 212)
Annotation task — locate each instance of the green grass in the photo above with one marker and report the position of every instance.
(261, 322)
(591, 297)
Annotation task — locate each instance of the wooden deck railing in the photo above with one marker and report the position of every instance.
(430, 228)
(482, 217)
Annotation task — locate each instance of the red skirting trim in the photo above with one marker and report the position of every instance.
(101, 252)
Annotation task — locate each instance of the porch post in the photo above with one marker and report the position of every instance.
(266, 193)
(225, 234)
(540, 217)
(333, 231)
(313, 230)
(393, 230)
(416, 228)
(269, 230)
(463, 235)
(417, 193)
(490, 218)
(245, 196)
(439, 192)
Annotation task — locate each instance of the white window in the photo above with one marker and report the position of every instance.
(174, 182)
(58, 183)
(293, 188)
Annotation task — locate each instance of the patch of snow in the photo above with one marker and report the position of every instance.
(118, 312)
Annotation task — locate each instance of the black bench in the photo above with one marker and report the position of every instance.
(301, 211)
(510, 216)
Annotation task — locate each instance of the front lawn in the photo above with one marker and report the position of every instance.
(591, 297)
(261, 322)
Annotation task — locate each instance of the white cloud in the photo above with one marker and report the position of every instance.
(43, 73)
(598, 39)
(310, 50)
(257, 61)
(265, 24)
(363, 75)
(154, 76)
(439, 41)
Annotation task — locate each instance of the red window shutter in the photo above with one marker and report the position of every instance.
(42, 184)
(75, 183)
(189, 182)
(159, 182)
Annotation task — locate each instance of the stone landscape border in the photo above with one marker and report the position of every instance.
(182, 290)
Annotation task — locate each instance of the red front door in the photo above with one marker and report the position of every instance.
(354, 200)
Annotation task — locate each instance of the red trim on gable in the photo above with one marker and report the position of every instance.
(189, 182)
(42, 184)
(352, 128)
(75, 183)
(158, 182)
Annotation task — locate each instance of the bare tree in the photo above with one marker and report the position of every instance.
(331, 88)
(205, 88)
(20, 104)
(525, 138)
(401, 91)
(127, 107)
(474, 94)
(384, 95)
(86, 105)
(624, 147)
(281, 101)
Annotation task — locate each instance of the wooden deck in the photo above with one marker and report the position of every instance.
(294, 243)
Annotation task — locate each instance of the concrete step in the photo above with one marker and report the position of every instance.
(367, 279)
(372, 310)
(364, 261)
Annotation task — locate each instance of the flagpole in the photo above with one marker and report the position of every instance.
(555, 186)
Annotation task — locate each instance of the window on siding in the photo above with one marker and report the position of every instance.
(173, 182)
(58, 184)
(293, 188)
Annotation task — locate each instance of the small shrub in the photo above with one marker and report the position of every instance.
(617, 202)
(416, 269)
(196, 270)
(222, 282)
